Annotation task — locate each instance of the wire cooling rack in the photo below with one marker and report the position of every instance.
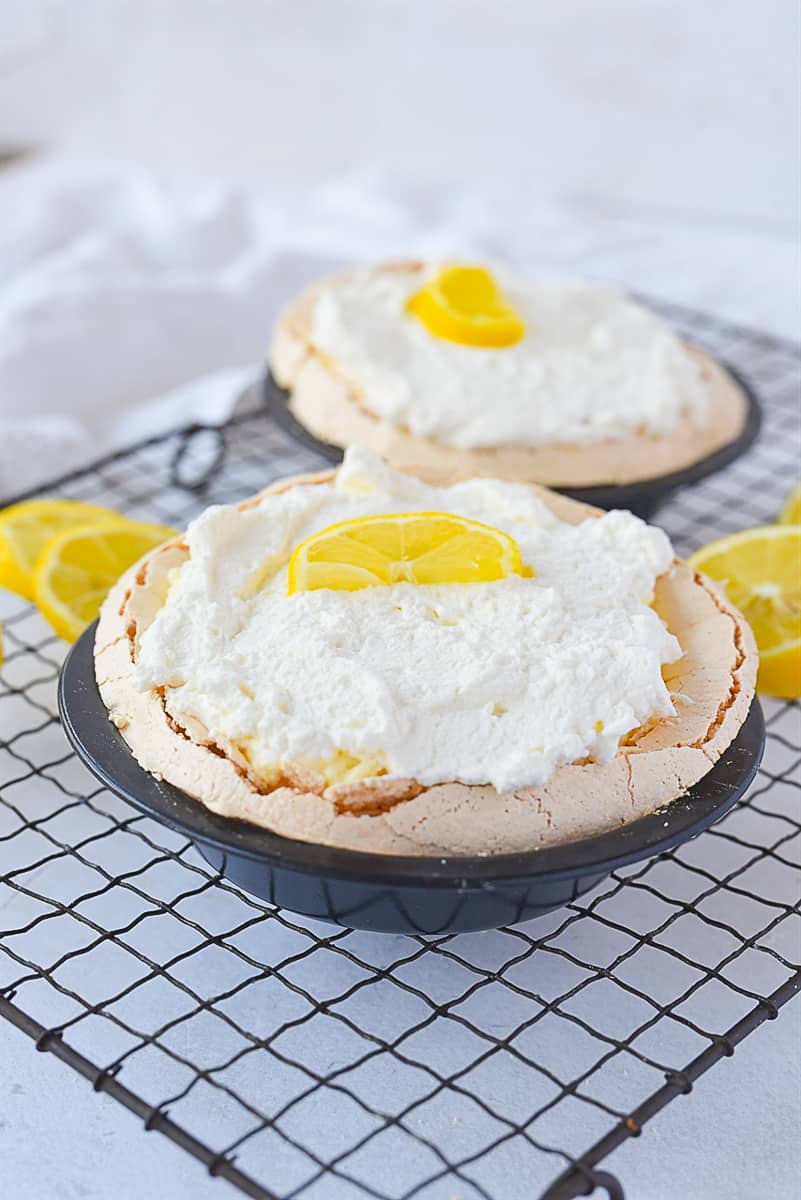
(296, 1059)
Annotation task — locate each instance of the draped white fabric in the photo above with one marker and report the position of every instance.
(131, 304)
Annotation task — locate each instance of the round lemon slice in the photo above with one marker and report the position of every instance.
(791, 513)
(465, 304)
(26, 527)
(77, 567)
(417, 547)
(762, 571)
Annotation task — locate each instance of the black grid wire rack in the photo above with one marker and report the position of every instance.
(296, 1059)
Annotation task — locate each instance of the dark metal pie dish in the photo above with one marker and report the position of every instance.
(393, 893)
(642, 497)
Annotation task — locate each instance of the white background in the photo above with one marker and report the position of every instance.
(666, 107)
(667, 131)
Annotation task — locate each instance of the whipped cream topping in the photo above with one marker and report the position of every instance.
(592, 365)
(486, 683)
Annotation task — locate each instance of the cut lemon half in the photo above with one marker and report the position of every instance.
(26, 527)
(791, 513)
(417, 547)
(78, 566)
(465, 304)
(762, 571)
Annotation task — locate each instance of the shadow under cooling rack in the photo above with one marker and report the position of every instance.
(298, 1060)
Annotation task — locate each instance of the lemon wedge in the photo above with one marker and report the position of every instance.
(465, 304)
(26, 527)
(762, 571)
(76, 568)
(791, 513)
(417, 547)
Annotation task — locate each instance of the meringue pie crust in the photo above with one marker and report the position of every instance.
(713, 685)
(334, 408)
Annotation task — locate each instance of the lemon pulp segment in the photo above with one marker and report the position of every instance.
(418, 547)
(77, 567)
(761, 569)
(25, 528)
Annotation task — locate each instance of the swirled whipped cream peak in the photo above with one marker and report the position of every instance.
(592, 364)
(482, 683)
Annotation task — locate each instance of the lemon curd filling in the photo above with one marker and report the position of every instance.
(486, 641)
(341, 767)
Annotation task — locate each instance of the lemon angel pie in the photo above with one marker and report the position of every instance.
(361, 659)
(454, 372)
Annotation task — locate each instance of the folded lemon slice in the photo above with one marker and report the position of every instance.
(26, 527)
(417, 547)
(465, 304)
(762, 571)
(77, 567)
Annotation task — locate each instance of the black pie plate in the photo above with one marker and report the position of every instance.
(642, 497)
(394, 893)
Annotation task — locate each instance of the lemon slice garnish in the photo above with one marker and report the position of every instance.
(762, 571)
(465, 304)
(77, 567)
(791, 513)
(417, 547)
(26, 527)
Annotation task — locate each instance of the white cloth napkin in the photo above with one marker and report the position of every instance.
(130, 304)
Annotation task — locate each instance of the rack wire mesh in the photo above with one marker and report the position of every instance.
(301, 1060)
